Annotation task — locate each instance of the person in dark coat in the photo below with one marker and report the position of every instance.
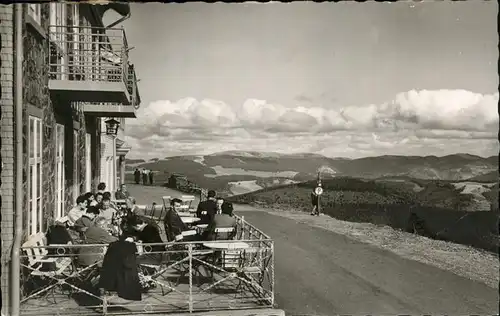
(87, 219)
(174, 225)
(146, 233)
(144, 177)
(314, 202)
(122, 193)
(151, 174)
(97, 234)
(223, 219)
(119, 271)
(137, 176)
(206, 210)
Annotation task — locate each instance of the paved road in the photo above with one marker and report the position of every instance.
(322, 273)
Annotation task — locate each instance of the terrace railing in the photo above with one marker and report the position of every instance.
(79, 53)
(186, 277)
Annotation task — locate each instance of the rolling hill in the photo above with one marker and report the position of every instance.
(235, 172)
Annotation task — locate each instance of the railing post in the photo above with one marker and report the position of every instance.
(190, 252)
(272, 272)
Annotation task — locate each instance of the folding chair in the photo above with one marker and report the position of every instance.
(37, 256)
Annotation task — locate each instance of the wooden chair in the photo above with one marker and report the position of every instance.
(37, 256)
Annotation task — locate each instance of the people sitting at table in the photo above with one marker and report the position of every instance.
(223, 219)
(87, 219)
(122, 193)
(78, 210)
(107, 211)
(207, 209)
(174, 226)
(95, 234)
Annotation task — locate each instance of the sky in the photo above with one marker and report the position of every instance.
(338, 79)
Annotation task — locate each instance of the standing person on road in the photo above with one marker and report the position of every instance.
(144, 177)
(137, 176)
(314, 202)
(151, 177)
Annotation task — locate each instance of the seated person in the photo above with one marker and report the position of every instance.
(87, 219)
(95, 234)
(207, 209)
(78, 210)
(107, 211)
(146, 233)
(98, 198)
(122, 194)
(90, 199)
(223, 219)
(219, 201)
(174, 225)
(132, 207)
(57, 234)
(108, 195)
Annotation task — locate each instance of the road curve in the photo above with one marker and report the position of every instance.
(322, 273)
(319, 272)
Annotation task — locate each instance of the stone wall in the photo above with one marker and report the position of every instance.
(6, 146)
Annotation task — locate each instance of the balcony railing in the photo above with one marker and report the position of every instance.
(133, 89)
(93, 54)
(177, 277)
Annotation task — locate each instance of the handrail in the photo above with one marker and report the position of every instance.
(88, 53)
(251, 271)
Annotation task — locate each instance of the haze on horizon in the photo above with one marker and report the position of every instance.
(337, 79)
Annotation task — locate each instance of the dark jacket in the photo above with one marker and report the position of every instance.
(83, 221)
(221, 221)
(173, 224)
(120, 195)
(314, 199)
(206, 211)
(119, 271)
(94, 236)
(151, 235)
(58, 235)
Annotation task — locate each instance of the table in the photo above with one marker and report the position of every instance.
(190, 220)
(202, 226)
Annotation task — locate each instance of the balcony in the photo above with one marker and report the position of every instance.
(128, 109)
(89, 64)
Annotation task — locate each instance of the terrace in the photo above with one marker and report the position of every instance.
(187, 279)
(90, 64)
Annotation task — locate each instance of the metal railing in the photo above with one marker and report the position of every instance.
(88, 54)
(132, 87)
(175, 277)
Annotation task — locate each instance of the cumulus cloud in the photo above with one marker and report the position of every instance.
(191, 125)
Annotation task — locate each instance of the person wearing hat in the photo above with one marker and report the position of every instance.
(207, 209)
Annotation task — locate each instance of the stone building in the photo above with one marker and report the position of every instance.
(76, 74)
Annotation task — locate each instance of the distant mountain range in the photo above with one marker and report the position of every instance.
(243, 171)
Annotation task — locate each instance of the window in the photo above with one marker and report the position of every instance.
(57, 34)
(35, 176)
(59, 178)
(76, 166)
(88, 164)
(35, 11)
